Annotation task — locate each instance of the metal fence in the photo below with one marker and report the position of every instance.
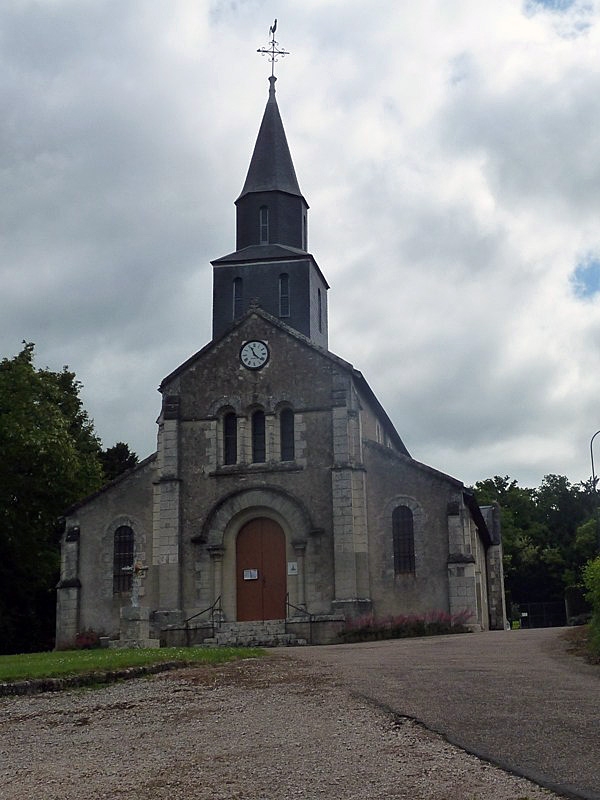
(542, 615)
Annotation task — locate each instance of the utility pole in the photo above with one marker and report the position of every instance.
(594, 484)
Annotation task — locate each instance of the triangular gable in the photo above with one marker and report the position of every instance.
(105, 488)
(357, 376)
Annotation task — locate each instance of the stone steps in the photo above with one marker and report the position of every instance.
(270, 633)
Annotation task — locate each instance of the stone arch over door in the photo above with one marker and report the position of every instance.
(227, 519)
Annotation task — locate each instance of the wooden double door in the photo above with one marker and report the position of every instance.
(260, 571)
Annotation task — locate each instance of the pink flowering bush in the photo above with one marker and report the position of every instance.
(433, 623)
(87, 640)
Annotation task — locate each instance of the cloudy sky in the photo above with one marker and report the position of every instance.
(450, 153)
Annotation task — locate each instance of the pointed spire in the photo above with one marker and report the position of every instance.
(271, 167)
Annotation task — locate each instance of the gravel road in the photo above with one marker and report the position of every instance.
(264, 729)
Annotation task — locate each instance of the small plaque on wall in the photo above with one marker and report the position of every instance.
(292, 567)
(250, 574)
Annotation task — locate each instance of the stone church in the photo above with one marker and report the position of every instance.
(280, 489)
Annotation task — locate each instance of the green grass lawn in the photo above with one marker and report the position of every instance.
(61, 663)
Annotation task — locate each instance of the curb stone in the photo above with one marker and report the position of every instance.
(38, 685)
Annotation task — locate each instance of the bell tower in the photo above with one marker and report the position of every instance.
(271, 208)
(271, 263)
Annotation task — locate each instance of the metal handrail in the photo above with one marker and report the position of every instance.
(310, 616)
(214, 607)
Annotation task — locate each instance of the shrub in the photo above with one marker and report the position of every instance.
(87, 640)
(402, 626)
(591, 580)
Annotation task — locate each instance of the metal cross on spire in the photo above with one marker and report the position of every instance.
(273, 50)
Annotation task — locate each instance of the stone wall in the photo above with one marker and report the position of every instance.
(297, 376)
(85, 593)
(394, 480)
(334, 500)
(495, 570)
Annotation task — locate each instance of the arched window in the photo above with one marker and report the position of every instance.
(259, 454)
(238, 298)
(284, 295)
(122, 559)
(404, 540)
(286, 430)
(230, 438)
(304, 233)
(263, 224)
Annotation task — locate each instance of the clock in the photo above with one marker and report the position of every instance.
(254, 354)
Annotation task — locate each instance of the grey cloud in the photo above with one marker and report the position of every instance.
(539, 139)
(123, 146)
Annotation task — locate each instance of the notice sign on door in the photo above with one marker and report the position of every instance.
(250, 574)
(292, 567)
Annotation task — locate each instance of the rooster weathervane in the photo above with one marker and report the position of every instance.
(273, 50)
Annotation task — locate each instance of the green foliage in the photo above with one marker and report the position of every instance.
(76, 662)
(548, 533)
(586, 540)
(49, 458)
(117, 459)
(591, 580)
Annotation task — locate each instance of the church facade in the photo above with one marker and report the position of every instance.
(280, 487)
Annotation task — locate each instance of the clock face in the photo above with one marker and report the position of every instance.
(254, 354)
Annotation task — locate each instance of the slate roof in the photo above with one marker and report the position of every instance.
(255, 253)
(271, 167)
(263, 252)
(478, 518)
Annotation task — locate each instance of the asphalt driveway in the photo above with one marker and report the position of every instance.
(515, 698)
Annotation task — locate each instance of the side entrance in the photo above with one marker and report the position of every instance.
(260, 571)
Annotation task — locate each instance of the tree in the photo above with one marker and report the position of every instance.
(591, 580)
(585, 544)
(116, 460)
(547, 534)
(49, 458)
(521, 531)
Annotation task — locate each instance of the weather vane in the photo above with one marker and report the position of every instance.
(273, 50)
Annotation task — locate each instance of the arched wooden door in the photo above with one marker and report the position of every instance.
(260, 571)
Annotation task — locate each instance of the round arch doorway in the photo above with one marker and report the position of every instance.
(260, 570)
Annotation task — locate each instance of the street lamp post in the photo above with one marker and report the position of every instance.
(595, 489)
